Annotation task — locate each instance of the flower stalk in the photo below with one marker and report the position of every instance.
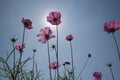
(49, 60)
(72, 58)
(89, 55)
(70, 38)
(32, 76)
(19, 67)
(55, 19)
(14, 59)
(112, 73)
(57, 52)
(110, 67)
(116, 45)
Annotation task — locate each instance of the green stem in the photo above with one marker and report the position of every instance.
(68, 71)
(22, 51)
(49, 60)
(8, 67)
(23, 36)
(19, 63)
(116, 45)
(83, 68)
(72, 59)
(14, 59)
(33, 60)
(10, 54)
(55, 75)
(65, 71)
(33, 66)
(19, 68)
(57, 53)
(112, 73)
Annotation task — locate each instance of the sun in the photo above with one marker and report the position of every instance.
(44, 19)
(46, 23)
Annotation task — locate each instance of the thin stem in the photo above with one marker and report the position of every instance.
(19, 63)
(23, 36)
(14, 59)
(68, 76)
(33, 61)
(65, 71)
(83, 68)
(8, 67)
(10, 54)
(55, 75)
(112, 73)
(116, 45)
(72, 59)
(33, 66)
(20, 58)
(22, 51)
(57, 52)
(49, 60)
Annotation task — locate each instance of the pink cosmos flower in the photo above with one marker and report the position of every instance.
(54, 18)
(69, 37)
(20, 47)
(54, 65)
(27, 23)
(45, 34)
(97, 75)
(111, 26)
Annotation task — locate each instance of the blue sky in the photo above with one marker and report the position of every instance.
(83, 19)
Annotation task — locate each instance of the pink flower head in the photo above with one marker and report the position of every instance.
(45, 34)
(20, 47)
(97, 75)
(111, 26)
(69, 37)
(54, 18)
(54, 65)
(27, 23)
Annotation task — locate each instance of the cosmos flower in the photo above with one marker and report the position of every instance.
(27, 23)
(54, 18)
(20, 46)
(69, 37)
(111, 26)
(45, 34)
(54, 65)
(97, 75)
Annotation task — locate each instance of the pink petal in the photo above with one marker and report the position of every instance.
(52, 36)
(23, 20)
